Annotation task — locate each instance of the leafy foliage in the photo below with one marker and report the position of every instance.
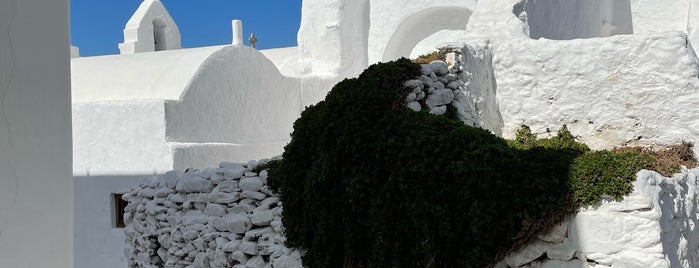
(366, 182)
(605, 173)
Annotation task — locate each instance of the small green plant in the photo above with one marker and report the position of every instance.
(605, 173)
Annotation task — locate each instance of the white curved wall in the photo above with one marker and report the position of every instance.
(387, 15)
(421, 25)
(142, 76)
(36, 212)
(242, 93)
(150, 23)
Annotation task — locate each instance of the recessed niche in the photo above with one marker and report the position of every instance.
(573, 19)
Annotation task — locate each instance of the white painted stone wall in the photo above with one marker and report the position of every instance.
(98, 242)
(120, 138)
(653, 227)
(218, 217)
(36, 213)
(658, 16)
(693, 25)
(565, 20)
(333, 37)
(221, 103)
(635, 89)
(397, 26)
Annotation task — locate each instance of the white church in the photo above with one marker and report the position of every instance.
(616, 72)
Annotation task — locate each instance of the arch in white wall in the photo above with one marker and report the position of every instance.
(151, 28)
(419, 26)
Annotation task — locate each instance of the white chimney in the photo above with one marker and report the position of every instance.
(237, 33)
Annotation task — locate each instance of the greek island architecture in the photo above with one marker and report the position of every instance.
(616, 72)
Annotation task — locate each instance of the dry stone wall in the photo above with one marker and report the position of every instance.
(440, 87)
(218, 217)
(465, 84)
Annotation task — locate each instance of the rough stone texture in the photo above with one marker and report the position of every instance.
(655, 226)
(438, 87)
(198, 219)
(638, 89)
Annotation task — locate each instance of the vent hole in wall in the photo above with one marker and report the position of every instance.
(573, 19)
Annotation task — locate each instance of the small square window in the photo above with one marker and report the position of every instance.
(119, 207)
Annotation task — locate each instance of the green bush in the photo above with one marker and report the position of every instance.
(605, 173)
(366, 182)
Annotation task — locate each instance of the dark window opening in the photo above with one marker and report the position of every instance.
(119, 208)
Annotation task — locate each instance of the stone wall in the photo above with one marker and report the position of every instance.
(218, 217)
(228, 217)
(653, 227)
(466, 84)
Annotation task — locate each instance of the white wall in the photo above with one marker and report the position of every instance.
(120, 138)
(655, 226)
(333, 37)
(565, 20)
(98, 243)
(388, 15)
(416, 27)
(693, 25)
(239, 92)
(656, 16)
(635, 89)
(36, 212)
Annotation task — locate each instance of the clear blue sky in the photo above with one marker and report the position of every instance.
(96, 25)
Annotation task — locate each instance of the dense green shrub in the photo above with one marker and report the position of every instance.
(605, 173)
(366, 182)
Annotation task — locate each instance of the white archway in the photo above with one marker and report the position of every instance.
(419, 26)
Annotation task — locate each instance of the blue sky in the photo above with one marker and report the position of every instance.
(96, 26)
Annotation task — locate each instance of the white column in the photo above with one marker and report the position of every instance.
(36, 186)
(334, 37)
(237, 33)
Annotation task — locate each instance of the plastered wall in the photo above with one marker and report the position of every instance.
(36, 192)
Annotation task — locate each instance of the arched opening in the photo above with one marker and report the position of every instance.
(159, 35)
(415, 28)
(572, 19)
(436, 40)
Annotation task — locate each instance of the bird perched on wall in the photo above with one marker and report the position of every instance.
(253, 40)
